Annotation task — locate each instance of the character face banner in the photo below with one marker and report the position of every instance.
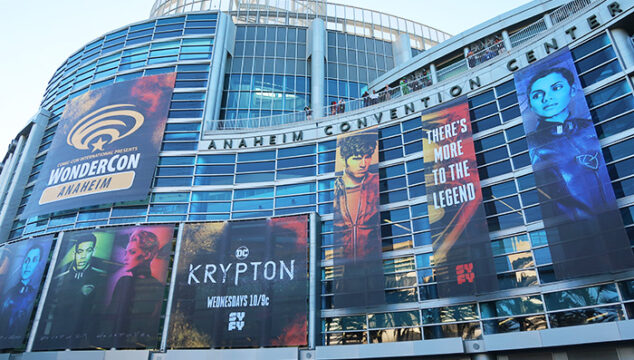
(358, 266)
(460, 237)
(241, 284)
(107, 289)
(581, 218)
(106, 146)
(22, 266)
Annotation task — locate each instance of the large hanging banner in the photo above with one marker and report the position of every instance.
(241, 284)
(582, 221)
(460, 237)
(358, 265)
(107, 289)
(105, 146)
(22, 266)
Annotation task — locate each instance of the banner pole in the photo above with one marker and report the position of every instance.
(170, 296)
(313, 280)
(47, 284)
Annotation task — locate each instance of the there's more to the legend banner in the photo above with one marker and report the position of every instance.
(460, 238)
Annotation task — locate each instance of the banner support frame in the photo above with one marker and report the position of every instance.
(47, 284)
(313, 281)
(170, 296)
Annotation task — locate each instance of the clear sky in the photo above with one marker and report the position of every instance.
(37, 36)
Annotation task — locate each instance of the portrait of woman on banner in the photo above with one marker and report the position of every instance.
(137, 298)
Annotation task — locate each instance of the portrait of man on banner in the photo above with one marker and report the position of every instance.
(577, 201)
(107, 289)
(25, 262)
(358, 273)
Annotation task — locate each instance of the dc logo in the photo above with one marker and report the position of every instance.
(242, 252)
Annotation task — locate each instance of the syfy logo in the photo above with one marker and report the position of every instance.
(465, 273)
(236, 321)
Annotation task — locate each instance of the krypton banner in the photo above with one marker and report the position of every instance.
(358, 278)
(460, 238)
(105, 146)
(22, 267)
(107, 289)
(583, 224)
(241, 284)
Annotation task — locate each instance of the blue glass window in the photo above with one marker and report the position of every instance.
(211, 195)
(216, 159)
(210, 207)
(295, 173)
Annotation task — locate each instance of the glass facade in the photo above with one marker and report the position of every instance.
(268, 75)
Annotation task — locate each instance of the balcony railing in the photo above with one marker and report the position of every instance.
(452, 70)
(528, 32)
(404, 88)
(486, 54)
(565, 11)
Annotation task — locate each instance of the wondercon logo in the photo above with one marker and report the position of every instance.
(104, 126)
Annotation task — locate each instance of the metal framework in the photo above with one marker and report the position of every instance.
(344, 18)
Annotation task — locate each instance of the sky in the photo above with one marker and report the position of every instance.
(38, 36)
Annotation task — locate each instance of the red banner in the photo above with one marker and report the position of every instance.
(462, 250)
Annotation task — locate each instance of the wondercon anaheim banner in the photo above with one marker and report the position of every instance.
(583, 224)
(22, 266)
(460, 237)
(241, 284)
(107, 289)
(358, 278)
(105, 147)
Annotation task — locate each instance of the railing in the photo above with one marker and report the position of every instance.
(528, 32)
(452, 70)
(330, 110)
(565, 11)
(485, 54)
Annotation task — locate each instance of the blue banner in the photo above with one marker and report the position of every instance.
(105, 146)
(582, 220)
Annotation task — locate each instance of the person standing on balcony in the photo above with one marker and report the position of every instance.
(333, 108)
(366, 98)
(308, 112)
(342, 106)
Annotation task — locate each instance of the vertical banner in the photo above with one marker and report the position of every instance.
(358, 265)
(22, 266)
(582, 221)
(105, 146)
(460, 237)
(107, 289)
(241, 284)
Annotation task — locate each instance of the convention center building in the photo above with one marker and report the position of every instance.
(300, 179)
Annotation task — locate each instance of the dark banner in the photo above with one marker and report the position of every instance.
(107, 289)
(582, 221)
(22, 266)
(241, 284)
(460, 237)
(105, 146)
(358, 265)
